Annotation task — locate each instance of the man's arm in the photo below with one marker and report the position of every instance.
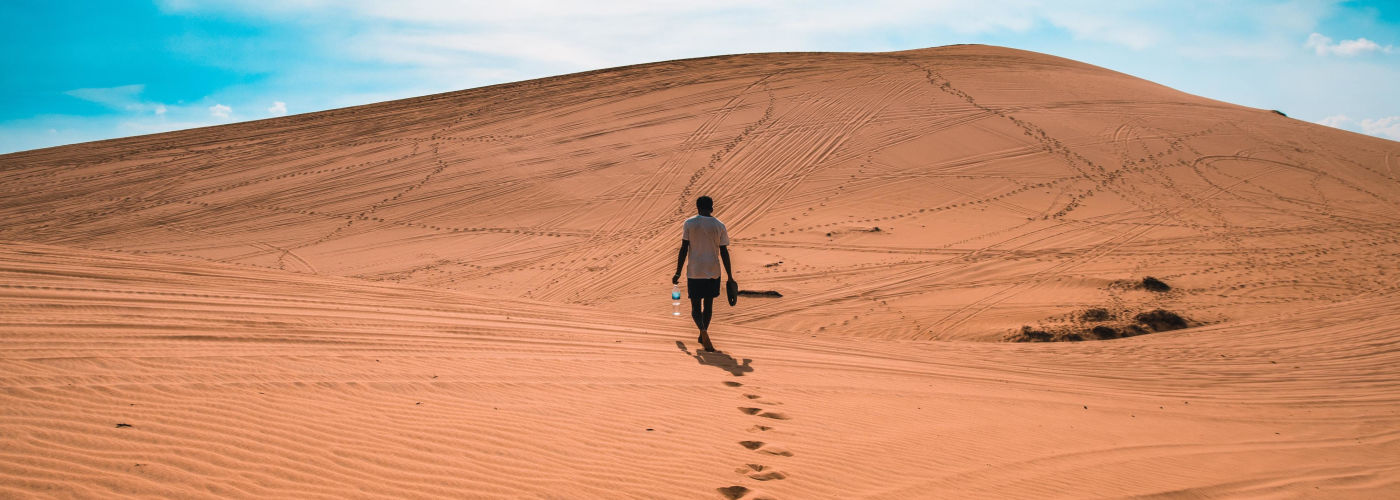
(724, 257)
(680, 261)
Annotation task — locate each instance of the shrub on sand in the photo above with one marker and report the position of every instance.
(1161, 320)
(1096, 314)
(1105, 332)
(1029, 334)
(1155, 285)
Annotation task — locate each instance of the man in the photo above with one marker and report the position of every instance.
(707, 242)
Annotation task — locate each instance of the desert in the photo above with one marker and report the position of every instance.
(462, 295)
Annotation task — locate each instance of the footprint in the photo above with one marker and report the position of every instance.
(768, 476)
(773, 415)
(776, 450)
(733, 384)
(759, 428)
(756, 471)
(752, 445)
(733, 492)
(752, 396)
(750, 411)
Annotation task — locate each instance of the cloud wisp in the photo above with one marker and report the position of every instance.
(121, 98)
(1335, 121)
(1324, 46)
(1388, 127)
(220, 111)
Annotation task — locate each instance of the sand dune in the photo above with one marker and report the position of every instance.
(1024, 181)
(247, 382)
(458, 295)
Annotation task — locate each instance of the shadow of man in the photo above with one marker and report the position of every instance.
(719, 359)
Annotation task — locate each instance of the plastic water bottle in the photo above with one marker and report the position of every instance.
(676, 300)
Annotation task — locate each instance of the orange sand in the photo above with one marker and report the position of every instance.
(462, 295)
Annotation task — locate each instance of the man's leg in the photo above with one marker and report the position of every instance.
(708, 313)
(698, 314)
(709, 303)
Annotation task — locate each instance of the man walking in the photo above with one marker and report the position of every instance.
(707, 242)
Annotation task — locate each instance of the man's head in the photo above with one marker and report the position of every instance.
(705, 205)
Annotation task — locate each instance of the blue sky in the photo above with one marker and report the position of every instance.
(82, 71)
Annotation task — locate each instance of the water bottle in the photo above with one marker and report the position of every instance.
(676, 300)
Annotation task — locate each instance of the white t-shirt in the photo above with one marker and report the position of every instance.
(705, 234)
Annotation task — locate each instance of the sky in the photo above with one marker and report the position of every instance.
(77, 71)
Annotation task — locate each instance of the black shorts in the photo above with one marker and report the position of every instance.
(702, 288)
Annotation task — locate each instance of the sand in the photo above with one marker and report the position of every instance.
(462, 295)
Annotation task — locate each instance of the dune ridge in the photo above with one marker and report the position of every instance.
(459, 295)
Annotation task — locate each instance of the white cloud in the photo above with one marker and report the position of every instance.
(1323, 46)
(1388, 127)
(1335, 121)
(278, 108)
(1119, 28)
(125, 98)
(220, 111)
(115, 97)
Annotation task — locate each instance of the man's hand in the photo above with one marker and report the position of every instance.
(676, 280)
